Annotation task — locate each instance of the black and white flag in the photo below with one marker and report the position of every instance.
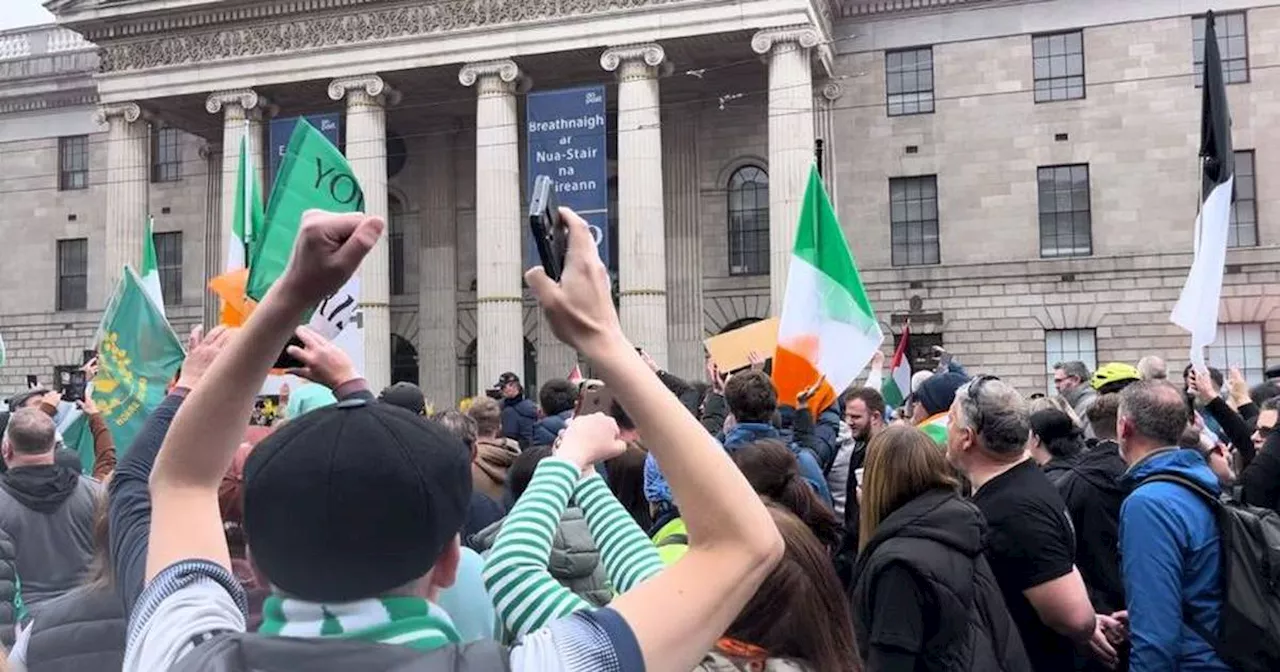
(1197, 307)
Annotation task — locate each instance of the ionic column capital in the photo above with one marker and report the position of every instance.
(803, 36)
(650, 54)
(502, 76)
(130, 112)
(370, 89)
(235, 102)
(832, 90)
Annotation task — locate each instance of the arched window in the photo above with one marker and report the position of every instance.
(472, 387)
(749, 221)
(404, 361)
(395, 243)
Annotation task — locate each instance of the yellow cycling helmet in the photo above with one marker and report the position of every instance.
(1114, 372)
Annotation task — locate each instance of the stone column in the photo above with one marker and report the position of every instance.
(241, 118)
(790, 141)
(824, 126)
(684, 243)
(128, 161)
(213, 264)
(438, 275)
(499, 230)
(366, 98)
(642, 268)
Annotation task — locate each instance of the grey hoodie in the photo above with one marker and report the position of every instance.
(48, 511)
(575, 560)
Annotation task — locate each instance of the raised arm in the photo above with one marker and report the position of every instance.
(734, 542)
(185, 522)
(629, 557)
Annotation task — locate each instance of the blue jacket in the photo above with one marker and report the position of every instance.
(825, 438)
(547, 429)
(518, 416)
(1171, 561)
(746, 432)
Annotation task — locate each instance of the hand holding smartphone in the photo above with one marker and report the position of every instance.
(550, 235)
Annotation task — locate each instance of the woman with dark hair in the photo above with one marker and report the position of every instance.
(625, 477)
(1056, 442)
(773, 471)
(84, 629)
(797, 620)
(924, 597)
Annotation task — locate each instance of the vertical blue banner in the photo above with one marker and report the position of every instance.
(280, 130)
(566, 134)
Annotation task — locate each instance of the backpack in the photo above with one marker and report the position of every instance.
(246, 652)
(1248, 636)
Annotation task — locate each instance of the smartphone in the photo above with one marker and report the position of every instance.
(286, 361)
(494, 393)
(32, 382)
(593, 397)
(71, 384)
(550, 235)
(87, 356)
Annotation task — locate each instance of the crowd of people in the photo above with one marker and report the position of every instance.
(691, 525)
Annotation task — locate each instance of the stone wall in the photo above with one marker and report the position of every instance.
(37, 342)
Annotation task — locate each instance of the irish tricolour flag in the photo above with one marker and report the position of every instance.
(150, 270)
(828, 331)
(898, 385)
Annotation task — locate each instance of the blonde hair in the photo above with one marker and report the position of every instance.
(488, 416)
(902, 463)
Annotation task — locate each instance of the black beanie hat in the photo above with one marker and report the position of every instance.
(351, 501)
(937, 393)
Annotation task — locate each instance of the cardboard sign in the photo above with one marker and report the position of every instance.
(730, 350)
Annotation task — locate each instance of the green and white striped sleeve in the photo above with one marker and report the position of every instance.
(629, 557)
(524, 593)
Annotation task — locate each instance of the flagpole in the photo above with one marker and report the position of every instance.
(248, 202)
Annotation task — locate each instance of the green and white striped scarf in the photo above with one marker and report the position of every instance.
(404, 621)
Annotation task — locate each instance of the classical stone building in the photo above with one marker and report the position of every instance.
(1016, 178)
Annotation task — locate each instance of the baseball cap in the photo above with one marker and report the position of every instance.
(508, 377)
(405, 395)
(353, 500)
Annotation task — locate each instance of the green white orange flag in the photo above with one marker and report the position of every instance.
(828, 330)
(898, 385)
(150, 271)
(249, 213)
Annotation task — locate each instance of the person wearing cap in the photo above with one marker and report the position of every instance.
(403, 484)
(932, 400)
(518, 414)
(405, 395)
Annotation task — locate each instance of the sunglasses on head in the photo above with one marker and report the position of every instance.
(975, 388)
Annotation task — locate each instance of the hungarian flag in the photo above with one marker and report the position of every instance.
(1197, 307)
(150, 270)
(898, 385)
(828, 330)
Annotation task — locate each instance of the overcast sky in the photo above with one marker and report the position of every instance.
(18, 13)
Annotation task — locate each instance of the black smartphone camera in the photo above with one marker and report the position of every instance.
(549, 234)
(71, 384)
(286, 361)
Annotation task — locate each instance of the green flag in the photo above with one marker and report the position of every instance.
(150, 269)
(138, 354)
(77, 436)
(248, 216)
(313, 175)
(3, 354)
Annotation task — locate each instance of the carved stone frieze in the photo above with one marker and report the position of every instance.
(304, 32)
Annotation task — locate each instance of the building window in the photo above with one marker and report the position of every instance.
(1058, 61)
(169, 265)
(913, 220)
(404, 360)
(1244, 213)
(1065, 221)
(749, 221)
(1069, 345)
(1233, 46)
(909, 81)
(166, 155)
(73, 162)
(73, 274)
(1239, 346)
(395, 244)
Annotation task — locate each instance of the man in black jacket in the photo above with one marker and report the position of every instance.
(518, 414)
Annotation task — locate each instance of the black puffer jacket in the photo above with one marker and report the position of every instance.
(938, 539)
(8, 588)
(1091, 488)
(80, 631)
